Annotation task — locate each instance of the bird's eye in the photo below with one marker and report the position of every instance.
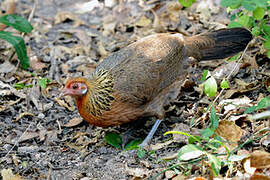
(75, 86)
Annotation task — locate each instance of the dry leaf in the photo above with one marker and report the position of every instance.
(74, 122)
(21, 115)
(85, 7)
(137, 172)
(7, 67)
(36, 64)
(161, 145)
(260, 159)
(8, 104)
(259, 177)
(170, 157)
(170, 174)
(230, 131)
(6, 89)
(69, 104)
(233, 104)
(250, 170)
(8, 175)
(28, 135)
(224, 70)
(63, 16)
(143, 22)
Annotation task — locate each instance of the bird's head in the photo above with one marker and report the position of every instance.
(75, 87)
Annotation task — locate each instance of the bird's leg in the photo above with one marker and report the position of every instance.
(150, 135)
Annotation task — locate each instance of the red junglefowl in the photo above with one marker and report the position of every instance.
(140, 79)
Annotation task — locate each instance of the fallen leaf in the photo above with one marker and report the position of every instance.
(7, 67)
(69, 104)
(63, 16)
(260, 159)
(137, 172)
(21, 115)
(8, 175)
(28, 135)
(74, 122)
(161, 145)
(224, 70)
(246, 164)
(233, 104)
(85, 7)
(36, 64)
(170, 174)
(143, 22)
(230, 131)
(259, 177)
(6, 89)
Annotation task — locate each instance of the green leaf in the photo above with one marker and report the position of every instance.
(267, 44)
(133, 144)
(43, 82)
(19, 46)
(17, 22)
(210, 87)
(215, 164)
(207, 132)
(113, 139)
(141, 153)
(187, 3)
(224, 84)
(189, 151)
(235, 57)
(232, 4)
(268, 88)
(193, 139)
(234, 24)
(205, 75)
(266, 28)
(213, 118)
(250, 109)
(249, 5)
(263, 104)
(19, 86)
(245, 20)
(258, 13)
(256, 31)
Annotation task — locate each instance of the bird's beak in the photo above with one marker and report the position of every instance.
(64, 92)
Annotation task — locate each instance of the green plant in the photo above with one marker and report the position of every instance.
(186, 3)
(42, 82)
(252, 14)
(203, 148)
(22, 25)
(116, 141)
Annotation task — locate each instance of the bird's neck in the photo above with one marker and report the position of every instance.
(99, 96)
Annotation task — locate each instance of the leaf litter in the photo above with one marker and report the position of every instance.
(70, 39)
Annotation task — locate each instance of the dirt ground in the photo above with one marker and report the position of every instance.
(42, 136)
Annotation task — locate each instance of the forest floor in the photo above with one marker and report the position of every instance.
(43, 136)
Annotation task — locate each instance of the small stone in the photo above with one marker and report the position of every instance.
(41, 116)
(169, 174)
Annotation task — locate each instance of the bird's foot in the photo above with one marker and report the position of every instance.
(146, 142)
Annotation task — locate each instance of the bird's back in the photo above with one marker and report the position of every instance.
(143, 69)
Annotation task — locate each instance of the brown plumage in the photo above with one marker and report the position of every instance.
(141, 78)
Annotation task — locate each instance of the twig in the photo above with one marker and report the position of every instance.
(17, 142)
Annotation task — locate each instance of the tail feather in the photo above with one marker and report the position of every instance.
(218, 44)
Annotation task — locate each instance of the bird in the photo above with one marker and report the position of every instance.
(143, 77)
